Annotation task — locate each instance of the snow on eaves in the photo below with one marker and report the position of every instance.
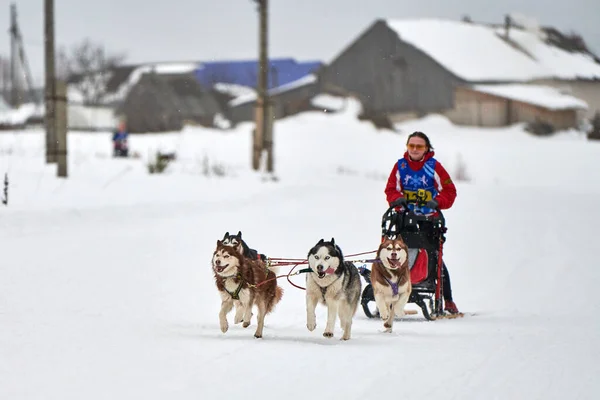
(559, 63)
(542, 96)
(479, 53)
(159, 68)
(233, 89)
(305, 80)
(119, 95)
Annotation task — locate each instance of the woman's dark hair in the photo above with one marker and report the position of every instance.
(422, 136)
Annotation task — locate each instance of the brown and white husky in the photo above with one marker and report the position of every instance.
(390, 277)
(245, 283)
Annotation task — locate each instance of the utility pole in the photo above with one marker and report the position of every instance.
(60, 127)
(4, 77)
(263, 132)
(50, 82)
(19, 66)
(14, 85)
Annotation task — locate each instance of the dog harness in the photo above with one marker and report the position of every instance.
(393, 285)
(324, 289)
(415, 182)
(236, 294)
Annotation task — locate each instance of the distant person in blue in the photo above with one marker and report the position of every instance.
(119, 139)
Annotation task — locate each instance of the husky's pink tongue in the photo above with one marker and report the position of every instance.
(394, 262)
(330, 270)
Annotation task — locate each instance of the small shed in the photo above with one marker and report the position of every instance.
(166, 102)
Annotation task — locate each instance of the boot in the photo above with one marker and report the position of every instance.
(450, 307)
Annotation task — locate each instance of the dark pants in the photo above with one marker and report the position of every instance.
(446, 283)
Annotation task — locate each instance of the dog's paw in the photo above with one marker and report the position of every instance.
(388, 326)
(328, 334)
(246, 323)
(258, 335)
(345, 337)
(238, 319)
(311, 326)
(384, 316)
(224, 327)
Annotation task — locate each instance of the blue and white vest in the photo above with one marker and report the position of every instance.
(418, 185)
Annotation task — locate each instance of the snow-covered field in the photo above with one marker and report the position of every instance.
(106, 290)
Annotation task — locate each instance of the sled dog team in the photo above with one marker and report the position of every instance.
(244, 280)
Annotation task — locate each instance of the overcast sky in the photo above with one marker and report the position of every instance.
(227, 29)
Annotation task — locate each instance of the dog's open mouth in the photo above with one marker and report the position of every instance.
(394, 263)
(220, 268)
(323, 273)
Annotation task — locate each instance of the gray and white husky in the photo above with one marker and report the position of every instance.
(334, 283)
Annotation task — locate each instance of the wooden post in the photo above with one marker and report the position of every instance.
(50, 89)
(262, 102)
(258, 135)
(269, 119)
(60, 128)
(269, 116)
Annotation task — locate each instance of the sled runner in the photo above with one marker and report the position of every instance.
(424, 236)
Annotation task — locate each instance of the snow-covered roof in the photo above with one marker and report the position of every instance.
(542, 96)
(558, 62)
(158, 68)
(478, 53)
(119, 95)
(233, 89)
(306, 80)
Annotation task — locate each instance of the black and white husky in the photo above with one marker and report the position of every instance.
(334, 283)
(240, 245)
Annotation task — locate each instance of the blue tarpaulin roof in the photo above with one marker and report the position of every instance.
(245, 73)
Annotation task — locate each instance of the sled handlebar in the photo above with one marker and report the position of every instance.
(408, 212)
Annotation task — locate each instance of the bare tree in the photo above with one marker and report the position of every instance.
(87, 66)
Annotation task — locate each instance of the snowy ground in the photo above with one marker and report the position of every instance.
(106, 289)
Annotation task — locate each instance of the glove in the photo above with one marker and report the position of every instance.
(432, 204)
(400, 202)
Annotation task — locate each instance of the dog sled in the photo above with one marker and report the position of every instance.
(424, 235)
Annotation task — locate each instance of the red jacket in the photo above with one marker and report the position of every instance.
(444, 185)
